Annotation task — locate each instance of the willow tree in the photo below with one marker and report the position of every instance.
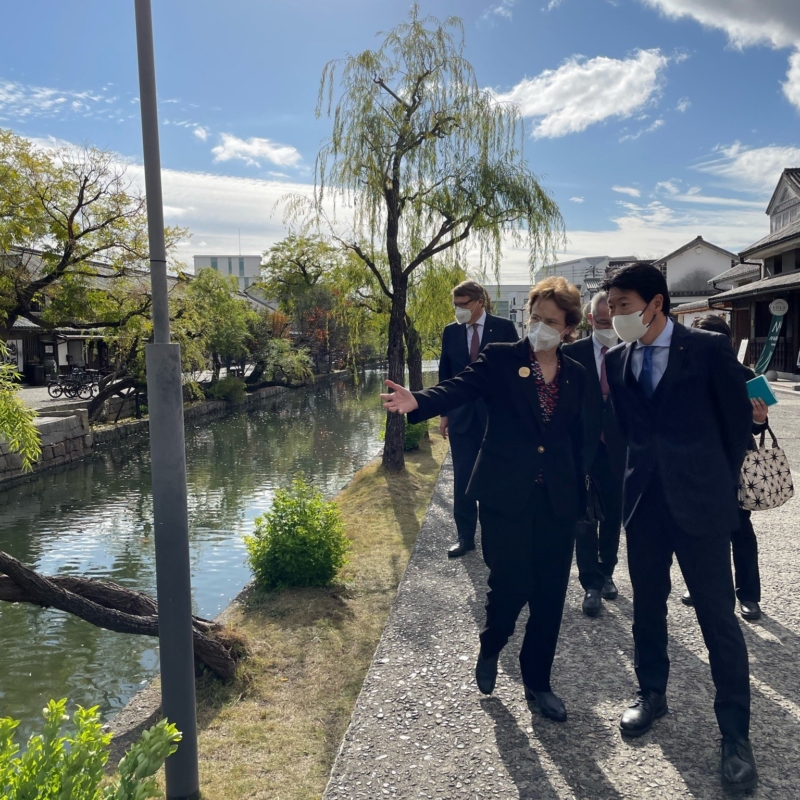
(425, 163)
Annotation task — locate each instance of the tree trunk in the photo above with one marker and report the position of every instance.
(394, 442)
(106, 393)
(414, 356)
(115, 608)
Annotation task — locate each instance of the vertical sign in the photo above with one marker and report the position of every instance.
(778, 308)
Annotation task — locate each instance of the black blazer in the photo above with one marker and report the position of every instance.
(598, 414)
(455, 359)
(518, 443)
(694, 432)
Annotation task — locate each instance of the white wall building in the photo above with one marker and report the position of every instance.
(508, 301)
(585, 273)
(246, 269)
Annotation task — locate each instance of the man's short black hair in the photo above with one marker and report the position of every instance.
(640, 277)
(715, 324)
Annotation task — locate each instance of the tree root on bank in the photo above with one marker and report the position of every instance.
(110, 606)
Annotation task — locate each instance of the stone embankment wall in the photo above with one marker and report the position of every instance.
(66, 436)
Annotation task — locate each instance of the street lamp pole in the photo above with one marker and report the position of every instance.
(168, 455)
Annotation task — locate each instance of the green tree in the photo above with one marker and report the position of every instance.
(428, 162)
(71, 222)
(16, 420)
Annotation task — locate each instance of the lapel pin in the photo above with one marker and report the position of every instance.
(524, 372)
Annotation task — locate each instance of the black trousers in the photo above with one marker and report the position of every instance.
(745, 560)
(653, 536)
(529, 555)
(464, 447)
(597, 545)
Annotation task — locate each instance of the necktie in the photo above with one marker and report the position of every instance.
(603, 377)
(475, 344)
(646, 375)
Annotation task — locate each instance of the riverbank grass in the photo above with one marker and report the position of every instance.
(274, 733)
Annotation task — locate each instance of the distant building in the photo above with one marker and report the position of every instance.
(585, 273)
(778, 278)
(246, 269)
(508, 301)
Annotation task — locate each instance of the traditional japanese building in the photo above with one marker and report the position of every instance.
(778, 278)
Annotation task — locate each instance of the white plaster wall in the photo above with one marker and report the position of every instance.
(691, 265)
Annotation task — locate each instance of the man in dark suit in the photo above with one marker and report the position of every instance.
(596, 545)
(680, 397)
(462, 343)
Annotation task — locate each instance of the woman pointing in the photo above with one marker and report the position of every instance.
(529, 480)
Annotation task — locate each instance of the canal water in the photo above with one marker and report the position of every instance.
(96, 520)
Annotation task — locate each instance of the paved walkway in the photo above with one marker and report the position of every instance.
(421, 729)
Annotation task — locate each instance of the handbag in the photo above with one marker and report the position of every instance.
(595, 508)
(765, 481)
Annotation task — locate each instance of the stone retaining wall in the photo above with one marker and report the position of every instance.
(65, 436)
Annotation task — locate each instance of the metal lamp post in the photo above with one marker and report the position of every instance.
(168, 456)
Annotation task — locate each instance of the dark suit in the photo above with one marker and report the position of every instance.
(605, 451)
(527, 525)
(467, 424)
(685, 449)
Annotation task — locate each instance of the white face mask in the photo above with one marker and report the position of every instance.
(463, 315)
(629, 327)
(606, 337)
(543, 337)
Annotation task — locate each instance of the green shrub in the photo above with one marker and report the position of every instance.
(69, 765)
(192, 392)
(228, 388)
(300, 541)
(414, 434)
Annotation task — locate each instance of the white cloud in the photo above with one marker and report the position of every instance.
(792, 86)
(502, 9)
(583, 92)
(201, 133)
(629, 190)
(576, 199)
(756, 169)
(253, 149)
(552, 4)
(684, 104)
(21, 101)
(654, 126)
(746, 22)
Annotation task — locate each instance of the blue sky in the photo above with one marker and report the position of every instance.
(650, 121)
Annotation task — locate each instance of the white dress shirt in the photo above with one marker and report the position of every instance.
(598, 353)
(481, 321)
(660, 354)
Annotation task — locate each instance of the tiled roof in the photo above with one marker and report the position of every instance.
(790, 282)
(697, 241)
(687, 308)
(20, 323)
(739, 271)
(788, 232)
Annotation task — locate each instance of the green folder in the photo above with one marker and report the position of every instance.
(759, 389)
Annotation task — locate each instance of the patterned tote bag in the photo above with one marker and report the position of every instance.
(765, 481)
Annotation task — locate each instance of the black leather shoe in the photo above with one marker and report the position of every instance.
(463, 546)
(486, 673)
(551, 705)
(639, 716)
(750, 609)
(592, 603)
(737, 765)
(686, 598)
(609, 591)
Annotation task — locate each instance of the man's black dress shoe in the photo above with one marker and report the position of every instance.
(463, 546)
(486, 673)
(638, 718)
(686, 598)
(750, 609)
(592, 602)
(609, 591)
(551, 705)
(737, 765)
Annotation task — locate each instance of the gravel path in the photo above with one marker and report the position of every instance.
(421, 729)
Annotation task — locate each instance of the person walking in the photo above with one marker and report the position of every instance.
(462, 343)
(597, 544)
(747, 578)
(680, 398)
(529, 480)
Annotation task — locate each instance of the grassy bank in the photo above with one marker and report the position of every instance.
(274, 733)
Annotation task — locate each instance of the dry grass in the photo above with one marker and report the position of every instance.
(275, 732)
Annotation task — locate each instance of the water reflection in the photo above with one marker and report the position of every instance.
(96, 520)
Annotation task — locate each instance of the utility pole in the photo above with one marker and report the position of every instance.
(168, 455)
